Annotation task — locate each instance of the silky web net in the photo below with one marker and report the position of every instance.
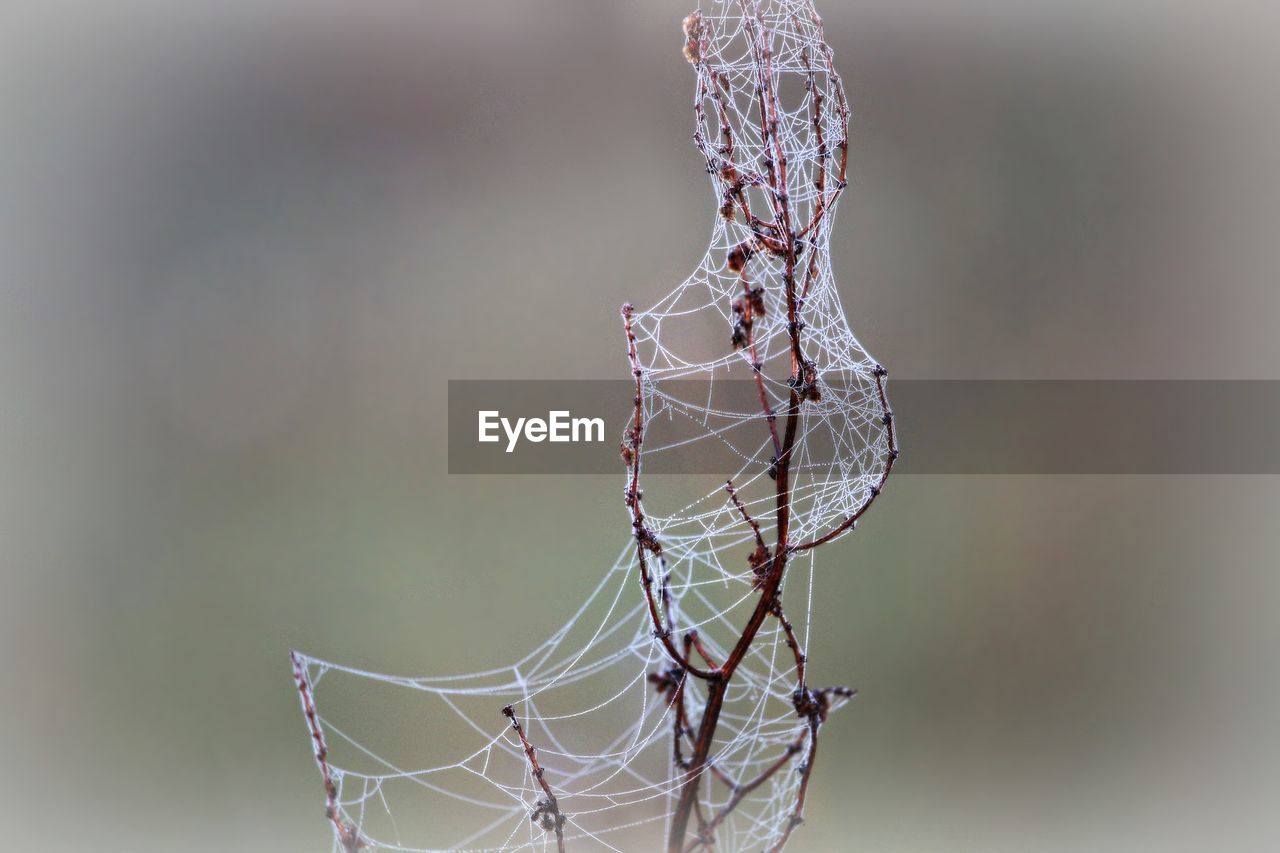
(432, 763)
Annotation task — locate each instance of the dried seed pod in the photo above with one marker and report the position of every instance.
(693, 38)
(806, 384)
(760, 561)
(739, 255)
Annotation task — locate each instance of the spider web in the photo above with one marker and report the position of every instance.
(406, 761)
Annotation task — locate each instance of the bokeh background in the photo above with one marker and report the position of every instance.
(244, 245)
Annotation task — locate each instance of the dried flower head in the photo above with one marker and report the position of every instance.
(693, 37)
(739, 255)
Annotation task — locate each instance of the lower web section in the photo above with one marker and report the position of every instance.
(419, 764)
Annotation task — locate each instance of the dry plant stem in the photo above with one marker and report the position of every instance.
(797, 814)
(819, 101)
(736, 176)
(646, 541)
(348, 836)
(780, 238)
(810, 271)
(681, 725)
(852, 519)
(741, 792)
(549, 809)
(746, 516)
(777, 179)
(693, 637)
(672, 683)
(683, 728)
(748, 322)
(789, 631)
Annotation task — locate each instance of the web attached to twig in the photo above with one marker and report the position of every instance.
(585, 741)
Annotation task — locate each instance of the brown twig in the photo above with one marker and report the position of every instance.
(694, 638)
(836, 87)
(646, 540)
(775, 166)
(782, 239)
(741, 792)
(759, 559)
(891, 456)
(546, 813)
(734, 177)
(789, 632)
(348, 835)
(671, 684)
(776, 173)
(813, 705)
(746, 309)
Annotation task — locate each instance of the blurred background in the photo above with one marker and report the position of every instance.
(244, 245)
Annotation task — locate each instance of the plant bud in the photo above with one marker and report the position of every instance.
(693, 38)
(738, 257)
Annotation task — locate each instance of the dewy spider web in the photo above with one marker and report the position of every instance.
(585, 742)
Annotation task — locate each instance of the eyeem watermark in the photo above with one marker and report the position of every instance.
(944, 427)
(559, 426)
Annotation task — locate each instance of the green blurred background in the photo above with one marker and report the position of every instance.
(246, 244)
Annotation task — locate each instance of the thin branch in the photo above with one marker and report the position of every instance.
(776, 166)
(836, 86)
(759, 559)
(782, 239)
(806, 773)
(671, 684)
(746, 516)
(789, 631)
(820, 180)
(734, 177)
(646, 540)
(891, 456)
(743, 791)
(813, 705)
(747, 308)
(348, 834)
(694, 638)
(547, 812)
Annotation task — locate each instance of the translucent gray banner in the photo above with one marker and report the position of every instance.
(944, 427)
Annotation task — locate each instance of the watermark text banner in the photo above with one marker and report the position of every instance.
(944, 427)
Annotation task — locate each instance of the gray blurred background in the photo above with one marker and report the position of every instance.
(244, 245)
